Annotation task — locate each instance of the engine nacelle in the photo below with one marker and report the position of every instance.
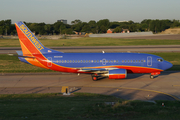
(117, 74)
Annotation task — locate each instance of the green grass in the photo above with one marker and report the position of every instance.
(92, 42)
(11, 64)
(83, 106)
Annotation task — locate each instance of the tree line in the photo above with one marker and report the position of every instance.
(101, 26)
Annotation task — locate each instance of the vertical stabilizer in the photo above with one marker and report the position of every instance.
(29, 43)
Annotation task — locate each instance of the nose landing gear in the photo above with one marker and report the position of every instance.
(154, 74)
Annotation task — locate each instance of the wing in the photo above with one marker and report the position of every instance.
(96, 70)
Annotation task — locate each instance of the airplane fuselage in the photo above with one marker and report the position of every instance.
(132, 62)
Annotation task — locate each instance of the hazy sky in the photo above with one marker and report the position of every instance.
(49, 11)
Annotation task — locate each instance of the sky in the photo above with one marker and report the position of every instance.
(49, 11)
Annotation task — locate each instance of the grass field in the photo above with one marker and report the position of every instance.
(92, 42)
(82, 106)
(11, 64)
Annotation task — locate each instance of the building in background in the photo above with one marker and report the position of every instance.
(110, 30)
(63, 21)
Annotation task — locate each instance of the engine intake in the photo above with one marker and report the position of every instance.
(117, 74)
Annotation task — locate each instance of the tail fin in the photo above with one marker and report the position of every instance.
(29, 43)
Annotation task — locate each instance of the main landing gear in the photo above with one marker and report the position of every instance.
(154, 74)
(94, 77)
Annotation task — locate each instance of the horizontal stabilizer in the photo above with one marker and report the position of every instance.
(20, 54)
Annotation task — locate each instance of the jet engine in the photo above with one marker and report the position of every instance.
(117, 74)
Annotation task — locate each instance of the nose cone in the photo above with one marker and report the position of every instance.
(167, 65)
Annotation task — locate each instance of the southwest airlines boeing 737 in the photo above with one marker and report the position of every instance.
(111, 65)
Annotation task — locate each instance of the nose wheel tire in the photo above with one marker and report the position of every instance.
(152, 76)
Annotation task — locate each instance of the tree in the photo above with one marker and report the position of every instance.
(62, 27)
(175, 23)
(114, 25)
(117, 30)
(103, 25)
(102, 29)
(76, 21)
(1, 30)
(86, 28)
(93, 26)
(48, 28)
(146, 24)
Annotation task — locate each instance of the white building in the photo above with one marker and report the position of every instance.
(63, 21)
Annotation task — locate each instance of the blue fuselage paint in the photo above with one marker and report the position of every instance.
(79, 60)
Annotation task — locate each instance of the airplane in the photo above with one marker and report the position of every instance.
(111, 65)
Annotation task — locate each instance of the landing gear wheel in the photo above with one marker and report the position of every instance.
(151, 76)
(94, 78)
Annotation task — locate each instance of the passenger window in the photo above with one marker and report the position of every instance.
(97, 61)
(59, 61)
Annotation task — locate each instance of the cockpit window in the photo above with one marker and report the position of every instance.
(160, 60)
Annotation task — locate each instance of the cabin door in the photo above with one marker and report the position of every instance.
(149, 61)
(104, 61)
(49, 62)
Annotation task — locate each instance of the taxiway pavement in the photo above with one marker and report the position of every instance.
(136, 87)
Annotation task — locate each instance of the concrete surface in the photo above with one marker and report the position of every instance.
(136, 87)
